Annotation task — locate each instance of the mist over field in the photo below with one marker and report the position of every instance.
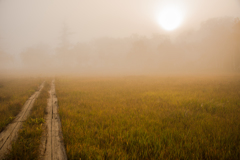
(119, 79)
(113, 38)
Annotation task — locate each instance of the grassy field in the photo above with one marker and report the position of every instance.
(13, 94)
(150, 117)
(27, 144)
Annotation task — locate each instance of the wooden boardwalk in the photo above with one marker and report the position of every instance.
(10, 133)
(52, 147)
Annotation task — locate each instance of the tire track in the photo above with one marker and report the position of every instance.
(10, 133)
(52, 147)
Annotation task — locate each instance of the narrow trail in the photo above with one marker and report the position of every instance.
(10, 133)
(52, 147)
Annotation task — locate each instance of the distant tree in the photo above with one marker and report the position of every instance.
(36, 57)
(236, 44)
(5, 58)
(64, 45)
(64, 55)
(212, 45)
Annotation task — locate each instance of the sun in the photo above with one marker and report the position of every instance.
(170, 18)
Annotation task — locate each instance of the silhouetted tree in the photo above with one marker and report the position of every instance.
(64, 39)
(64, 57)
(236, 36)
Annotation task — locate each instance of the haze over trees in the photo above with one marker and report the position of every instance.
(149, 79)
(5, 59)
(214, 47)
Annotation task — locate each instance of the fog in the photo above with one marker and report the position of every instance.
(92, 37)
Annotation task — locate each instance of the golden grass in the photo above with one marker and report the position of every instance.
(28, 142)
(14, 92)
(150, 117)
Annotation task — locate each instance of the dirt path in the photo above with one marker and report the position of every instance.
(10, 133)
(52, 142)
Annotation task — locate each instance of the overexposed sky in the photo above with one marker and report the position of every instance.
(24, 23)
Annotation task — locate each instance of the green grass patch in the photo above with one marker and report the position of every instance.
(150, 117)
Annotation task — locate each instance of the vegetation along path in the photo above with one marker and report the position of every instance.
(11, 131)
(53, 146)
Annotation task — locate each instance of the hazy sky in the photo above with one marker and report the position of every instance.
(24, 23)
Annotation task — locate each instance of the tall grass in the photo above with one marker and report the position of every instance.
(150, 117)
(13, 94)
(28, 142)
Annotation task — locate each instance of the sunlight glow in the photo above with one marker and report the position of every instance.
(170, 18)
